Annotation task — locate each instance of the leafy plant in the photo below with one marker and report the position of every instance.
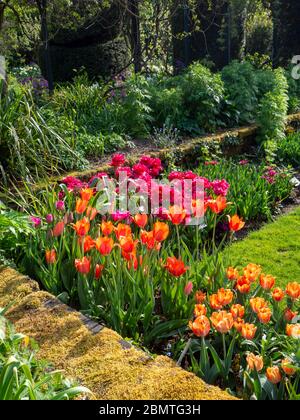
(288, 151)
(272, 114)
(29, 147)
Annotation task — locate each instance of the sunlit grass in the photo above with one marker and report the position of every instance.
(276, 247)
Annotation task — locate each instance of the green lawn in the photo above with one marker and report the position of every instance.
(276, 247)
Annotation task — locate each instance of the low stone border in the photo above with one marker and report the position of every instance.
(92, 354)
(189, 149)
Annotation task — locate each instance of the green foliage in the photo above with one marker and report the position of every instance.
(23, 377)
(29, 147)
(254, 196)
(272, 114)
(241, 88)
(15, 230)
(288, 151)
(190, 102)
(294, 91)
(245, 86)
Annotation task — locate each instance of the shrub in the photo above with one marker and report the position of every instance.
(29, 147)
(241, 89)
(288, 151)
(294, 91)
(272, 114)
(203, 94)
(14, 233)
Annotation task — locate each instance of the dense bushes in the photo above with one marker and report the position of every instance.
(288, 151)
(84, 120)
(272, 113)
(29, 146)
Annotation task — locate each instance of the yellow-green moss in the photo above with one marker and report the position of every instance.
(14, 286)
(99, 361)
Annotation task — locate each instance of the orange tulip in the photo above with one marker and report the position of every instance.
(257, 304)
(161, 231)
(141, 220)
(51, 256)
(278, 294)
(200, 296)
(107, 228)
(214, 302)
(58, 229)
(147, 238)
(273, 375)
(286, 366)
(83, 266)
(235, 223)
(98, 271)
(88, 244)
(232, 273)
(255, 362)
(81, 206)
(248, 331)
(243, 285)
(293, 290)
(175, 266)
(86, 194)
(252, 271)
(200, 310)
(82, 227)
(198, 208)
(267, 282)
(200, 327)
(222, 321)
(177, 215)
(238, 324)
(127, 244)
(264, 315)
(122, 230)
(104, 245)
(225, 296)
(91, 213)
(293, 330)
(217, 205)
(289, 315)
(237, 311)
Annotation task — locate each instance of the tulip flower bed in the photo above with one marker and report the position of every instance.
(255, 190)
(248, 336)
(159, 278)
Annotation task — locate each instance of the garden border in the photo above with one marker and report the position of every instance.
(111, 367)
(189, 148)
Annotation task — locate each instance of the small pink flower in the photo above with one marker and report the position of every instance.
(244, 162)
(188, 288)
(49, 218)
(220, 187)
(118, 160)
(119, 216)
(211, 163)
(60, 205)
(36, 221)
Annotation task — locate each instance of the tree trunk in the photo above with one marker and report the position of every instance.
(42, 6)
(2, 9)
(136, 34)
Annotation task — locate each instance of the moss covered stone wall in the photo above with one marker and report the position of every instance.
(94, 355)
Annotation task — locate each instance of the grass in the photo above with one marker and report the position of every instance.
(276, 247)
